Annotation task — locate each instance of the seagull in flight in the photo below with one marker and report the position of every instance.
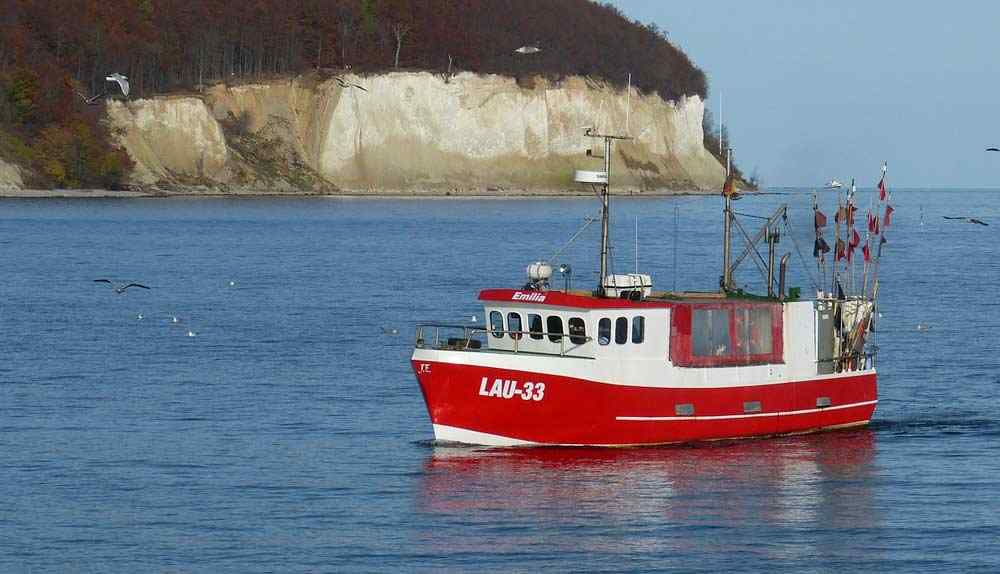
(345, 84)
(992, 149)
(968, 219)
(121, 80)
(121, 287)
(834, 184)
(528, 50)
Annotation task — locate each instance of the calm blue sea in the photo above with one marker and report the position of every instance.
(276, 427)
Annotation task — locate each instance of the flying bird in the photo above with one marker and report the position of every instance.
(121, 287)
(528, 50)
(91, 100)
(834, 184)
(345, 84)
(992, 149)
(121, 80)
(967, 219)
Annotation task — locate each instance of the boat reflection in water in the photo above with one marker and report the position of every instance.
(679, 499)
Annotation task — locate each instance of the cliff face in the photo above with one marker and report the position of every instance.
(10, 177)
(411, 131)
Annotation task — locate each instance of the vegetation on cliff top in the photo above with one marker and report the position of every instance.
(52, 52)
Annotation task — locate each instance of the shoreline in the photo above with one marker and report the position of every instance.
(387, 194)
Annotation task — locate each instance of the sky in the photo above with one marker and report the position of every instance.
(817, 89)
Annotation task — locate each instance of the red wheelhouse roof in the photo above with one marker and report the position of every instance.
(563, 299)
(582, 300)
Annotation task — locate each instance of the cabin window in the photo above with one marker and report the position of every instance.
(496, 324)
(638, 329)
(621, 330)
(726, 334)
(754, 328)
(710, 333)
(554, 326)
(535, 326)
(577, 331)
(514, 325)
(604, 331)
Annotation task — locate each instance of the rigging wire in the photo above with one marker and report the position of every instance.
(565, 246)
(805, 264)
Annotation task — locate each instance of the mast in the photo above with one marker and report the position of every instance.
(605, 213)
(605, 195)
(727, 233)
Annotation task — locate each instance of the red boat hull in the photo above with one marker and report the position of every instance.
(466, 404)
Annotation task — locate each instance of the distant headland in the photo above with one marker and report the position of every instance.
(364, 98)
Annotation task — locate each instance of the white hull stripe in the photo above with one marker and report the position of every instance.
(747, 416)
(447, 433)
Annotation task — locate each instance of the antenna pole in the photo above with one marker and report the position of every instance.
(676, 211)
(727, 234)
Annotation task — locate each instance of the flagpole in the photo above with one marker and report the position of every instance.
(888, 212)
(820, 256)
(836, 246)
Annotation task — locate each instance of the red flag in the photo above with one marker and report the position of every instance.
(867, 252)
(839, 252)
(820, 220)
(888, 215)
(729, 188)
(871, 222)
(855, 240)
(881, 188)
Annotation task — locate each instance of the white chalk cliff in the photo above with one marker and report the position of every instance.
(411, 131)
(10, 177)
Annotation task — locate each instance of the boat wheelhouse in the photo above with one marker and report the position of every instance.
(625, 365)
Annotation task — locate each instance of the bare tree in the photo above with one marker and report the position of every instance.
(399, 30)
(397, 15)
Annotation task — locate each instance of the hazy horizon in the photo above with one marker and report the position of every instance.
(815, 90)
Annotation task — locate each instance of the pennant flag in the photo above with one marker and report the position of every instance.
(855, 240)
(850, 213)
(881, 188)
(872, 223)
(820, 220)
(841, 214)
(888, 215)
(729, 188)
(820, 247)
(867, 253)
(841, 248)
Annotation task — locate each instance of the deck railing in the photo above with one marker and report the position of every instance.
(429, 335)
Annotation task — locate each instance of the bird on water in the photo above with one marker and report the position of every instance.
(967, 219)
(121, 287)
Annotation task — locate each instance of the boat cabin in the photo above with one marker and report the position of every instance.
(707, 331)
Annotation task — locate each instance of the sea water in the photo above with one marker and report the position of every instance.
(261, 415)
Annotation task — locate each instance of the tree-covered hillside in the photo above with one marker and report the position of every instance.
(56, 53)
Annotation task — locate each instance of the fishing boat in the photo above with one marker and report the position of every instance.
(623, 364)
